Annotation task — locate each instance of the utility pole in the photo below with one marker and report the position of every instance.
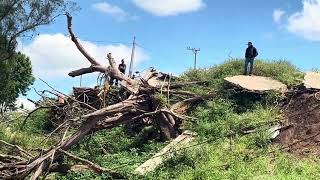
(195, 52)
(132, 56)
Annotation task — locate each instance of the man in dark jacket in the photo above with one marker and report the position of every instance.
(251, 53)
(122, 68)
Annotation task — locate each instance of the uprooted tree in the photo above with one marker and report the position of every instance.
(140, 106)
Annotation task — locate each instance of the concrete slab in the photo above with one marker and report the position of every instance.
(256, 83)
(312, 80)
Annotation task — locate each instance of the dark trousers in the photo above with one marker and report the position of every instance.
(248, 66)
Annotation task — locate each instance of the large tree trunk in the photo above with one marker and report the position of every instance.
(141, 104)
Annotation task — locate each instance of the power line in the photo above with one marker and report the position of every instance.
(195, 52)
(132, 56)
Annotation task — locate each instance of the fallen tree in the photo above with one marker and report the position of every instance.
(142, 103)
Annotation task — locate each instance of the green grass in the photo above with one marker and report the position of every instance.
(31, 136)
(238, 157)
(214, 154)
(280, 70)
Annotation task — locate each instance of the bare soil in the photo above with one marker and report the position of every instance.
(302, 135)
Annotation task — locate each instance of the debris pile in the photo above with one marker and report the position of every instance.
(95, 109)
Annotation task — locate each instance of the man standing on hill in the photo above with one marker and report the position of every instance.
(251, 53)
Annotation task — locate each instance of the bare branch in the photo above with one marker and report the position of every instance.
(17, 147)
(88, 70)
(77, 43)
(96, 168)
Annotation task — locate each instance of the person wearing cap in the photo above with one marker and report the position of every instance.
(251, 53)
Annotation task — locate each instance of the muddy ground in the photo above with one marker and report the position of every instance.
(302, 132)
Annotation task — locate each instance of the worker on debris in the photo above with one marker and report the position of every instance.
(122, 68)
(251, 53)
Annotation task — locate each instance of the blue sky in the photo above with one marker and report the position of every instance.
(280, 29)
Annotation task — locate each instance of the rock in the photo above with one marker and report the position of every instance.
(256, 83)
(312, 80)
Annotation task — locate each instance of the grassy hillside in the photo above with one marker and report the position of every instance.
(221, 149)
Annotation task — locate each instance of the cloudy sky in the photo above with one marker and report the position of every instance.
(280, 29)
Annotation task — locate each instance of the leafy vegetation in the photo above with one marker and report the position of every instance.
(29, 137)
(15, 79)
(20, 18)
(222, 149)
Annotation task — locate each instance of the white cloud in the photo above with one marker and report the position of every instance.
(306, 23)
(277, 15)
(169, 7)
(25, 103)
(55, 55)
(113, 11)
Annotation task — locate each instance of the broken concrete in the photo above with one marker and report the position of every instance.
(256, 83)
(312, 80)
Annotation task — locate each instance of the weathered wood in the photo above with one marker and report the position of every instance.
(167, 129)
(140, 105)
(96, 168)
(8, 158)
(42, 162)
(77, 43)
(182, 106)
(22, 151)
(165, 154)
(112, 70)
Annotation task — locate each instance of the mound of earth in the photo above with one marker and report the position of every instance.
(312, 80)
(302, 134)
(256, 83)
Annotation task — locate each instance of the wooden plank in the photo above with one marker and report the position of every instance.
(165, 154)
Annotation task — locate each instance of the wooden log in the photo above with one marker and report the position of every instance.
(167, 130)
(165, 154)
